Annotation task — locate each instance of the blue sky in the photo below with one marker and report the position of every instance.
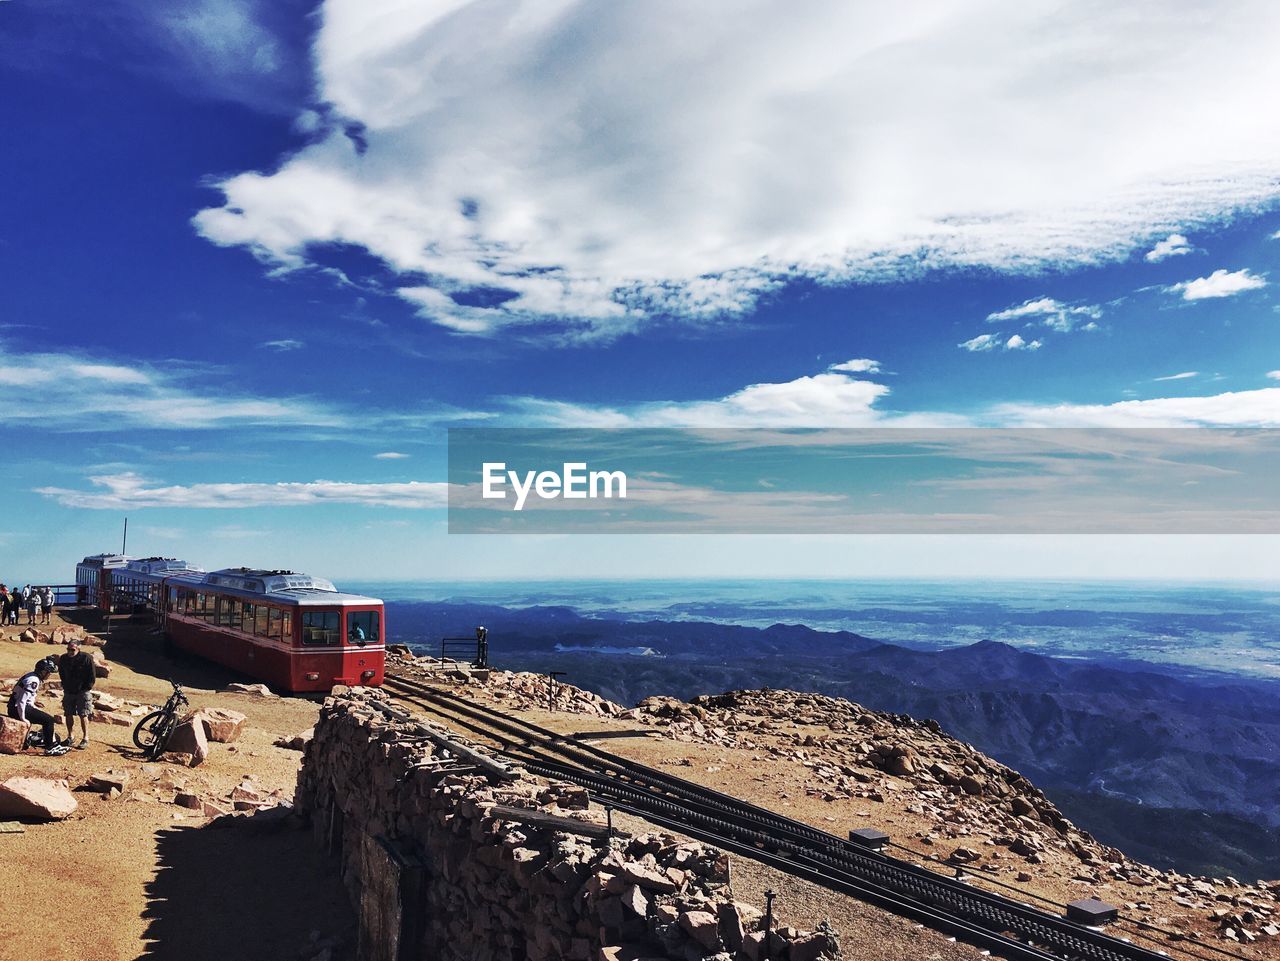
(257, 258)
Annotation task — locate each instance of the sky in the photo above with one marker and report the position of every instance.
(258, 258)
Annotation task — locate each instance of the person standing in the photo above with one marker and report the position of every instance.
(33, 606)
(18, 603)
(46, 601)
(76, 671)
(22, 704)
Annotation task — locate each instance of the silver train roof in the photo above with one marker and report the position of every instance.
(107, 560)
(280, 585)
(161, 565)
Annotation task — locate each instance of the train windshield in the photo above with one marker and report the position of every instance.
(321, 628)
(362, 627)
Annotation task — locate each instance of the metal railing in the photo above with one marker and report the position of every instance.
(477, 646)
(64, 595)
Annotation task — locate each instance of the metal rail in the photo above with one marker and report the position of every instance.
(990, 920)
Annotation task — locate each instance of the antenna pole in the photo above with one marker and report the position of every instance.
(125, 540)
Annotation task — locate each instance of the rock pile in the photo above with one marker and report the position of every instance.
(984, 816)
(517, 690)
(498, 883)
(59, 636)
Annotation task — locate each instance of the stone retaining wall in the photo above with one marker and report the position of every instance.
(435, 875)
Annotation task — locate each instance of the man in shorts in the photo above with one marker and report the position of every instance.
(76, 671)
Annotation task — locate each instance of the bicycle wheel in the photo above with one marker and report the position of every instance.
(144, 732)
(162, 731)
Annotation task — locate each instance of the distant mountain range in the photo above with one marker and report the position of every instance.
(1113, 740)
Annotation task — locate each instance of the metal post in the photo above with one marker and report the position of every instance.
(482, 647)
(608, 813)
(769, 895)
(551, 688)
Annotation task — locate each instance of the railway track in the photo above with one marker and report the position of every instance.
(1002, 925)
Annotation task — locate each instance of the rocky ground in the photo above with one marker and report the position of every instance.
(839, 766)
(131, 872)
(168, 860)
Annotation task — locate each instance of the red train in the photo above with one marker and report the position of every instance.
(293, 631)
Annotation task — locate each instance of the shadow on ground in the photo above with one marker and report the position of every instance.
(138, 645)
(245, 891)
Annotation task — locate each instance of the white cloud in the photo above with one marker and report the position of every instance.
(390, 455)
(683, 163)
(834, 400)
(1172, 246)
(860, 366)
(1247, 408)
(283, 345)
(1220, 283)
(1052, 313)
(129, 491)
(1274, 374)
(68, 391)
(981, 342)
(822, 400)
(1016, 342)
(1185, 375)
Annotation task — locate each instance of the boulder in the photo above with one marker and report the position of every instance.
(13, 735)
(100, 666)
(259, 690)
(296, 743)
(220, 724)
(188, 739)
(108, 780)
(104, 701)
(702, 927)
(36, 797)
(110, 717)
(28, 636)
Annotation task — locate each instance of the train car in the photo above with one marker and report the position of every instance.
(94, 577)
(293, 631)
(139, 585)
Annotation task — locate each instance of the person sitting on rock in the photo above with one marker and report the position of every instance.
(77, 673)
(22, 703)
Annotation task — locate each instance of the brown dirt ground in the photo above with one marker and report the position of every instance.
(137, 876)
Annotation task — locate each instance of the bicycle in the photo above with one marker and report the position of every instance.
(152, 733)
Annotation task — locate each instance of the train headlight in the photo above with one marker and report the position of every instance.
(312, 677)
(365, 675)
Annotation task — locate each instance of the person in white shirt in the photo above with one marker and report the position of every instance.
(22, 702)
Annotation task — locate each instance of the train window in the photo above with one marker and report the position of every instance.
(286, 626)
(246, 618)
(228, 612)
(321, 627)
(273, 623)
(260, 619)
(362, 627)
